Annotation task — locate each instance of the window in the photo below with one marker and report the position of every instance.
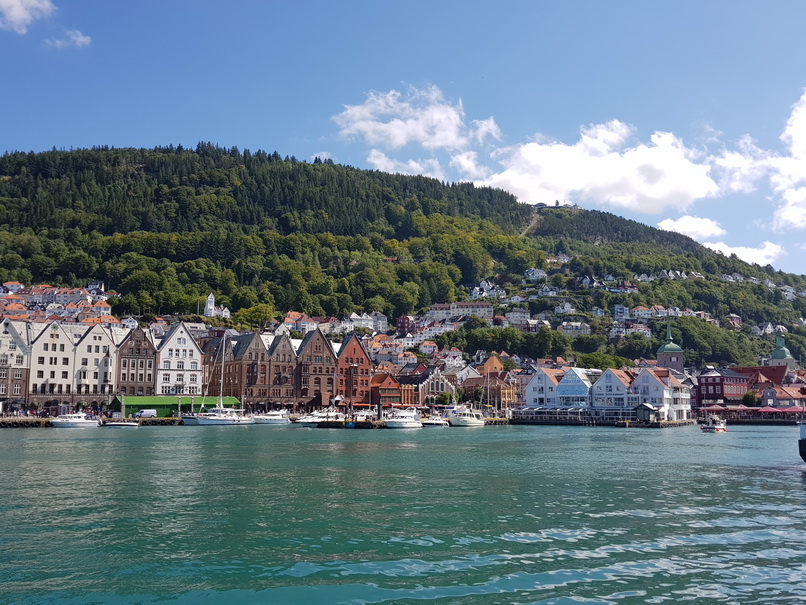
(64, 375)
(166, 365)
(65, 361)
(17, 373)
(166, 378)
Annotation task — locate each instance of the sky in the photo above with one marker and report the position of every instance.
(685, 115)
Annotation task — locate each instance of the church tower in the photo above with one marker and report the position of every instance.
(781, 355)
(209, 305)
(670, 355)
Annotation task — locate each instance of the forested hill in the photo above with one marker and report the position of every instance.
(173, 189)
(166, 226)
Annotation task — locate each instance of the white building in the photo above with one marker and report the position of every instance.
(541, 391)
(210, 309)
(179, 363)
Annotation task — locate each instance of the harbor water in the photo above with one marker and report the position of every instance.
(505, 514)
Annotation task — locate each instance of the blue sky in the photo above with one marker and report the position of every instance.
(687, 115)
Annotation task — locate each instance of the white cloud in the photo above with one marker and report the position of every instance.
(467, 163)
(322, 155)
(695, 227)
(739, 171)
(423, 117)
(602, 169)
(17, 15)
(789, 172)
(428, 167)
(74, 38)
(767, 254)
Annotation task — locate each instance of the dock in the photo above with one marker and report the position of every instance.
(34, 422)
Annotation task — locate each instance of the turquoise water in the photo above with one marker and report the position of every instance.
(512, 514)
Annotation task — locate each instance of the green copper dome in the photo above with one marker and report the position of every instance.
(781, 352)
(669, 347)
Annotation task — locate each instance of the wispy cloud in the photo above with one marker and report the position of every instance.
(73, 38)
(766, 254)
(695, 227)
(421, 117)
(17, 15)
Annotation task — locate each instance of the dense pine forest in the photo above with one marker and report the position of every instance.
(164, 227)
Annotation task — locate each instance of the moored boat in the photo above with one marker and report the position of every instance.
(435, 420)
(222, 416)
(75, 421)
(109, 423)
(315, 418)
(802, 442)
(465, 416)
(404, 419)
(272, 417)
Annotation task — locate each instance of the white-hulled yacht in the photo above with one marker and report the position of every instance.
(78, 420)
(464, 416)
(326, 415)
(435, 420)
(404, 419)
(272, 417)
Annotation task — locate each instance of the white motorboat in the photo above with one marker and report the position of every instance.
(223, 416)
(465, 416)
(404, 419)
(272, 417)
(314, 418)
(75, 421)
(714, 424)
(435, 420)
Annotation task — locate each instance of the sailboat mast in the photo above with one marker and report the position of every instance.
(223, 357)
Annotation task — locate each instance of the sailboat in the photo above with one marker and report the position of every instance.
(219, 415)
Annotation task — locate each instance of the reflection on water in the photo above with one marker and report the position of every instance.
(498, 515)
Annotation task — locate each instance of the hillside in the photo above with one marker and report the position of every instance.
(165, 226)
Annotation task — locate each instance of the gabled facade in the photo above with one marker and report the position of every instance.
(15, 359)
(248, 370)
(136, 362)
(282, 368)
(573, 390)
(611, 397)
(385, 391)
(179, 363)
(354, 370)
(542, 388)
(316, 369)
(55, 374)
(661, 389)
